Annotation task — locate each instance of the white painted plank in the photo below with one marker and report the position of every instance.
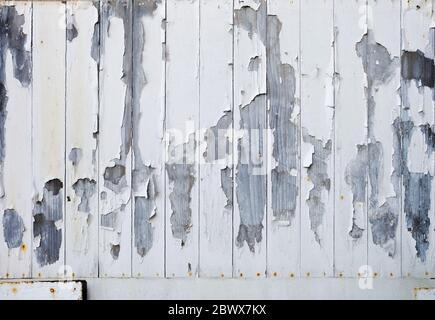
(16, 165)
(182, 121)
(115, 140)
(72, 290)
(250, 200)
(48, 138)
(148, 143)
(418, 235)
(283, 186)
(383, 81)
(350, 140)
(216, 34)
(317, 140)
(81, 144)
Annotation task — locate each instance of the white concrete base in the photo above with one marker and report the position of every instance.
(328, 288)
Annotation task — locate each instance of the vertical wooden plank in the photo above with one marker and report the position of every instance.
(317, 121)
(81, 134)
(15, 140)
(148, 132)
(182, 121)
(379, 51)
(283, 154)
(350, 140)
(115, 139)
(250, 176)
(417, 119)
(48, 138)
(216, 115)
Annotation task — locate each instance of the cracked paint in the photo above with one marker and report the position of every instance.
(143, 176)
(85, 190)
(12, 39)
(281, 88)
(251, 185)
(181, 177)
(317, 172)
(379, 67)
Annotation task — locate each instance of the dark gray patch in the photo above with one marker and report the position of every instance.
(251, 182)
(417, 208)
(254, 63)
(109, 220)
(85, 189)
(429, 136)
(379, 67)
(12, 38)
(13, 228)
(95, 47)
(141, 173)
(384, 224)
(356, 178)
(114, 178)
(318, 174)
(121, 9)
(281, 88)
(253, 21)
(356, 232)
(71, 29)
(143, 230)
(181, 176)
(417, 189)
(415, 66)
(218, 143)
(75, 155)
(114, 251)
(227, 186)
(378, 64)
(45, 215)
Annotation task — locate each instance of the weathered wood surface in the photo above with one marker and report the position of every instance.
(196, 138)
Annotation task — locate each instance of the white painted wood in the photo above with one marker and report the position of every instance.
(417, 19)
(283, 234)
(350, 130)
(384, 23)
(254, 289)
(116, 233)
(317, 141)
(216, 34)
(150, 139)
(81, 130)
(17, 168)
(182, 121)
(49, 114)
(72, 290)
(247, 86)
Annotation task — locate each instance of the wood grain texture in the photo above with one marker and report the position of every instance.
(250, 159)
(217, 139)
(350, 24)
(182, 123)
(283, 143)
(114, 142)
(216, 122)
(148, 241)
(49, 45)
(81, 140)
(417, 116)
(317, 138)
